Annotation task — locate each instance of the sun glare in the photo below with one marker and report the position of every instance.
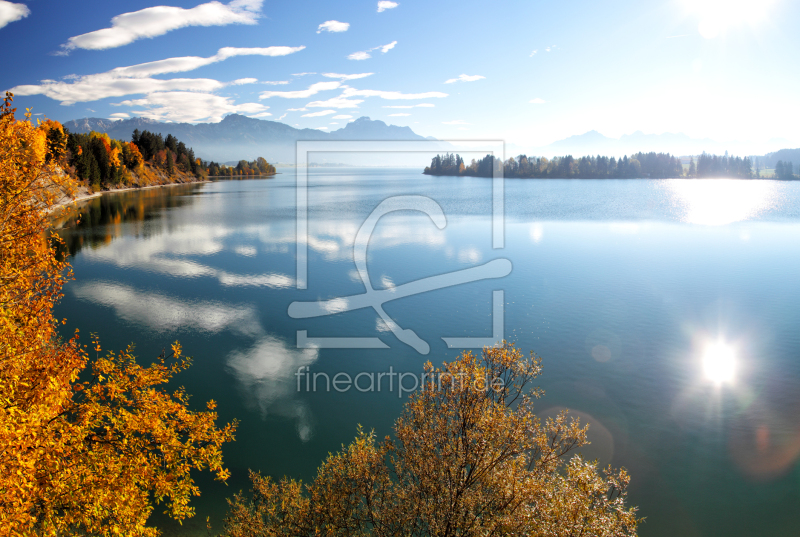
(717, 16)
(723, 201)
(719, 362)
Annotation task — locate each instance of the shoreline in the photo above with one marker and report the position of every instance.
(65, 202)
(613, 178)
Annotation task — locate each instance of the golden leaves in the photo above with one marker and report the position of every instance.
(87, 456)
(468, 457)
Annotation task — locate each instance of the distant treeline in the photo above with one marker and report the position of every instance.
(654, 165)
(257, 167)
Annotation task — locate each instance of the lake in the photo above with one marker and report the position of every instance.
(666, 313)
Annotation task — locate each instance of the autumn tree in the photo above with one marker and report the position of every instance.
(87, 446)
(468, 458)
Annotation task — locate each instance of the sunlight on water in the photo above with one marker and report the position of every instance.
(723, 201)
(719, 362)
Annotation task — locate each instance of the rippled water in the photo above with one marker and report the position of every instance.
(666, 312)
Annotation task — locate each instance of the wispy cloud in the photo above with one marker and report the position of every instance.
(320, 113)
(303, 74)
(391, 95)
(137, 79)
(537, 100)
(243, 81)
(399, 115)
(420, 105)
(333, 26)
(191, 107)
(275, 82)
(10, 12)
(533, 53)
(359, 56)
(336, 102)
(313, 89)
(383, 5)
(347, 77)
(365, 54)
(465, 78)
(158, 20)
(455, 122)
(120, 115)
(342, 116)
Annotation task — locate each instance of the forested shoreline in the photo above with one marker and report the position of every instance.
(638, 165)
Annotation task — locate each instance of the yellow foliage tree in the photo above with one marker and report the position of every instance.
(469, 458)
(79, 456)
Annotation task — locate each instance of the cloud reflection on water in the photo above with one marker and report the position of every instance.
(163, 313)
(266, 373)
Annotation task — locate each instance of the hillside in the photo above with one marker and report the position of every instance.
(237, 136)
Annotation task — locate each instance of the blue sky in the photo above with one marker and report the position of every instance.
(527, 72)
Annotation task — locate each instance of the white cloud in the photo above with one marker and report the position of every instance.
(347, 77)
(383, 5)
(420, 105)
(283, 116)
(260, 114)
(158, 20)
(313, 89)
(333, 26)
(276, 82)
(391, 95)
(303, 74)
(320, 113)
(465, 78)
(455, 122)
(182, 106)
(399, 115)
(297, 109)
(336, 102)
(342, 116)
(547, 49)
(333, 123)
(120, 115)
(10, 12)
(136, 79)
(243, 81)
(321, 128)
(365, 54)
(533, 53)
(537, 100)
(359, 56)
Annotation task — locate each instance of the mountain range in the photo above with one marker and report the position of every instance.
(239, 137)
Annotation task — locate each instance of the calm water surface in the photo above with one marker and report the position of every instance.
(621, 286)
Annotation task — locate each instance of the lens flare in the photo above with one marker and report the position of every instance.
(719, 362)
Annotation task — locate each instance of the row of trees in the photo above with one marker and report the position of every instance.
(654, 165)
(254, 168)
(102, 161)
(784, 170)
(167, 153)
(724, 166)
